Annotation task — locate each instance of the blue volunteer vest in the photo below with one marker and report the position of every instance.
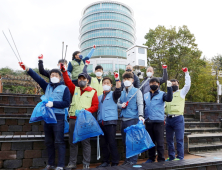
(131, 111)
(154, 109)
(108, 109)
(56, 95)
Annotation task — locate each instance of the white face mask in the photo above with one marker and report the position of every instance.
(106, 88)
(149, 74)
(127, 83)
(99, 74)
(54, 80)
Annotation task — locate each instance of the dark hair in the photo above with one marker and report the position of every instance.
(174, 80)
(74, 54)
(154, 79)
(62, 61)
(99, 67)
(128, 75)
(55, 71)
(107, 78)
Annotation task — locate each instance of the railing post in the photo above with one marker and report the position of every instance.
(1, 85)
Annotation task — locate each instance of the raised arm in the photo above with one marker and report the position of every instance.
(165, 75)
(117, 92)
(187, 85)
(42, 71)
(68, 82)
(90, 54)
(42, 83)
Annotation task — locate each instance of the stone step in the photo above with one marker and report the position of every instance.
(205, 138)
(190, 120)
(201, 124)
(203, 130)
(207, 147)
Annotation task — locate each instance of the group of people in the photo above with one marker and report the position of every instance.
(71, 87)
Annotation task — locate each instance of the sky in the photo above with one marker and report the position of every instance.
(40, 26)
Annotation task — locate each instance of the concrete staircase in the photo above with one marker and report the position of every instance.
(205, 138)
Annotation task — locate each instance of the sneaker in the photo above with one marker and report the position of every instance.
(127, 163)
(114, 164)
(149, 161)
(59, 168)
(70, 166)
(49, 167)
(85, 166)
(176, 159)
(104, 164)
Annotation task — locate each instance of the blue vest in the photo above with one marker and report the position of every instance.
(154, 109)
(108, 109)
(56, 95)
(131, 111)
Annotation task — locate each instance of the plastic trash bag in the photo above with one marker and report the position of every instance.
(66, 123)
(86, 127)
(138, 140)
(41, 112)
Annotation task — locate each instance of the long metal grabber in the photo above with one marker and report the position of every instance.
(14, 44)
(137, 91)
(62, 49)
(11, 46)
(65, 53)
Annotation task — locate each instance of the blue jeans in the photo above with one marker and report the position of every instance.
(175, 126)
(54, 138)
(126, 124)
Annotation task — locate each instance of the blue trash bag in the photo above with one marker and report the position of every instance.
(66, 123)
(41, 112)
(86, 127)
(138, 140)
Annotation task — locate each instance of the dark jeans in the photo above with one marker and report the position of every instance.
(54, 138)
(175, 126)
(126, 124)
(108, 144)
(156, 132)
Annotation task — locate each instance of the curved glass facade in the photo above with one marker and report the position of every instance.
(111, 27)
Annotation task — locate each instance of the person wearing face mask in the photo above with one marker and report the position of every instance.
(76, 66)
(175, 120)
(83, 97)
(107, 119)
(136, 82)
(132, 111)
(96, 82)
(44, 72)
(154, 116)
(54, 133)
(149, 73)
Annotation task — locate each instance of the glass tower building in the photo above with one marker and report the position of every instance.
(111, 27)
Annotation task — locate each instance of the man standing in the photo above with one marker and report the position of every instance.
(54, 132)
(84, 97)
(149, 73)
(175, 119)
(154, 115)
(131, 112)
(107, 118)
(136, 82)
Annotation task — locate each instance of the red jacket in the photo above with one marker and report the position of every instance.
(71, 86)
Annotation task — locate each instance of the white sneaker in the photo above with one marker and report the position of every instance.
(59, 168)
(85, 166)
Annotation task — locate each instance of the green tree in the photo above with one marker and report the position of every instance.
(177, 49)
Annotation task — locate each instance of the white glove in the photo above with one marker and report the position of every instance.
(169, 84)
(124, 105)
(49, 104)
(142, 119)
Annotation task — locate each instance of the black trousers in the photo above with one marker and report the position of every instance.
(156, 131)
(108, 144)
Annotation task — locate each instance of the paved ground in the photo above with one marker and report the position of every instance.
(188, 156)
